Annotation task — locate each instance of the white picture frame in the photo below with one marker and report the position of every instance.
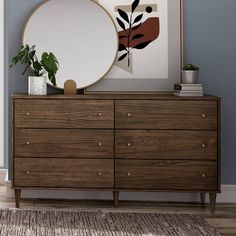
(117, 82)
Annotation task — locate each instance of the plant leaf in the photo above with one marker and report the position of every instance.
(124, 15)
(123, 56)
(37, 67)
(121, 37)
(138, 18)
(50, 64)
(120, 22)
(134, 5)
(137, 36)
(122, 47)
(136, 27)
(142, 45)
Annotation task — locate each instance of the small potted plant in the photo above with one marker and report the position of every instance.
(47, 67)
(190, 74)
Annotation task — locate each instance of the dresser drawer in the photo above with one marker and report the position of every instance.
(64, 143)
(165, 114)
(64, 173)
(41, 113)
(166, 144)
(166, 175)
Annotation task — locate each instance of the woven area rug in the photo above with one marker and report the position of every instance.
(98, 223)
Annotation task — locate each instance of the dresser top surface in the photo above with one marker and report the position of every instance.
(147, 96)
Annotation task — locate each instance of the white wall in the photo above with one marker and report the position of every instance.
(1, 83)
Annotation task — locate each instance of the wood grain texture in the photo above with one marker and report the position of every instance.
(166, 144)
(61, 143)
(42, 113)
(161, 142)
(145, 114)
(67, 173)
(118, 96)
(166, 175)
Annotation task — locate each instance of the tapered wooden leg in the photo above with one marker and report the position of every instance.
(212, 197)
(17, 197)
(116, 197)
(203, 197)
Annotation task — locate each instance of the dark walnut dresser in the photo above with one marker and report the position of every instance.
(117, 143)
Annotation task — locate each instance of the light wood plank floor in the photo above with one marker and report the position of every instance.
(223, 220)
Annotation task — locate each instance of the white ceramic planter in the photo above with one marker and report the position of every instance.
(37, 85)
(189, 76)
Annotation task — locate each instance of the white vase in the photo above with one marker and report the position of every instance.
(37, 85)
(189, 76)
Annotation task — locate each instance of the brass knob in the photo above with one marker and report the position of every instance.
(27, 172)
(203, 115)
(129, 174)
(203, 145)
(99, 114)
(99, 173)
(203, 176)
(129, 114)
(129, 144)
(27, 113)
(99, 144)
(28, 143)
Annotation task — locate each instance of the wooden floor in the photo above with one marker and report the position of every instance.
(223, 220)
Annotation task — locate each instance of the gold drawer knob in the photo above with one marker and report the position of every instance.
(129, 144)
(99, 144)
(99, 173)
(27, 142)
(100, 114)
(203, 176)
(203, 145)
(27, 172)
(27, 113)
(129, 114)
(129, 174)
(203, 115)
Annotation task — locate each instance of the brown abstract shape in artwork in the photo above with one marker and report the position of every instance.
(150, 29)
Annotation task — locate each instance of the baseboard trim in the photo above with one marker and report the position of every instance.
(227, 195)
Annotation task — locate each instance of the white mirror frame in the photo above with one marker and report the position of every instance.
(91, 60)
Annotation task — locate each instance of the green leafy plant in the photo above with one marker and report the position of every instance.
(190, 67)
(47, 65)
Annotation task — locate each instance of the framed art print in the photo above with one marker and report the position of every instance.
(150, 46)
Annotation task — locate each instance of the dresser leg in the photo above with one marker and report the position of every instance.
(212, 197)
(116, 198)
(203, 196)
(17, 197)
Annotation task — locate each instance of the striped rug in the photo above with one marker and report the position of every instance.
(100, 223)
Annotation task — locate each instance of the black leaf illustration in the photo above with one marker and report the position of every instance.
(122, 47)
(138, 18)
(124, 15)
(121, 37)
(137, 36)
(134, 5)
(136, 27)
(142, 45)
(123, 56)
(122, 25)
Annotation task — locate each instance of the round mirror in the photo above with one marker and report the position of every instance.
(80, 33)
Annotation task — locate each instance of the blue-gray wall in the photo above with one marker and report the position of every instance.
(209, 41)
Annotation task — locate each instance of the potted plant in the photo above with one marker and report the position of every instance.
(47, 67)
(190, 74)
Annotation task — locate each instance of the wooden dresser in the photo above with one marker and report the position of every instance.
(117, 142)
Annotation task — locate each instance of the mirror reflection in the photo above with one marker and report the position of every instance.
(80, 33)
